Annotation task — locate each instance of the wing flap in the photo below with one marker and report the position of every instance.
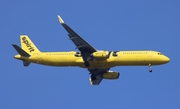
(96, 81)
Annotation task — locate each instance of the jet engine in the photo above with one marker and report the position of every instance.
(111, 75)
(100, 54)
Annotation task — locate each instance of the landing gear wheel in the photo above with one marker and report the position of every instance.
(86, 63)
(150, 68)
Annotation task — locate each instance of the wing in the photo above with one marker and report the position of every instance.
(95, 81)
(96, 76)
(85, 48)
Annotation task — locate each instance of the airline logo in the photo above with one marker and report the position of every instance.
(28, 45)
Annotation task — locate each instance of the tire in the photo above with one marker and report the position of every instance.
(86, 63)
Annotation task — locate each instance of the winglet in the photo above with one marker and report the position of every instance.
(60, 19)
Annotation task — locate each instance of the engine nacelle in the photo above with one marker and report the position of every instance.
(111, 75)
(100, 54)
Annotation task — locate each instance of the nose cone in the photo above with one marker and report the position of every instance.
(166, 59)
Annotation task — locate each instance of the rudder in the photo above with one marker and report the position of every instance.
(27, 45)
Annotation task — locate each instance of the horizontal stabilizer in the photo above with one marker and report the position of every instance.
(20, 51)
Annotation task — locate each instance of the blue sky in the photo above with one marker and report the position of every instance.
(108, 25)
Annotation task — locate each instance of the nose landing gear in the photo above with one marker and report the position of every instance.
(150, 68)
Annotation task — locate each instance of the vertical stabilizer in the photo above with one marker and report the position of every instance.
(27, 45)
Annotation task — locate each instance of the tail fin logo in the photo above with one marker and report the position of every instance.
(28, 45)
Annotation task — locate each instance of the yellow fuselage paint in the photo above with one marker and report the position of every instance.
(122, 58)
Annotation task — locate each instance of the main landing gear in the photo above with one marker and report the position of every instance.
(150, 68)
(86, 63)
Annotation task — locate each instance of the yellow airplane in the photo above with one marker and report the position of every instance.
(98, 62)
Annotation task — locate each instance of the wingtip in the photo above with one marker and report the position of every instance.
(60, 19)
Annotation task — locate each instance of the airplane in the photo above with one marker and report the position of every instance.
(97, 62)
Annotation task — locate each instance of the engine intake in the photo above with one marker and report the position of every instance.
(111, 75)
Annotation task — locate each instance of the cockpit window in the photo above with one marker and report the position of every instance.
(160, 54)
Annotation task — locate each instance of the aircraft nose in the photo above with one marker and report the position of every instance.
(167, 59)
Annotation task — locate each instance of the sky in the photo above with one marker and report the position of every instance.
(106, 25)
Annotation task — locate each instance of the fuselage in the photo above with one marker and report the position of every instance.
(118, 58)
